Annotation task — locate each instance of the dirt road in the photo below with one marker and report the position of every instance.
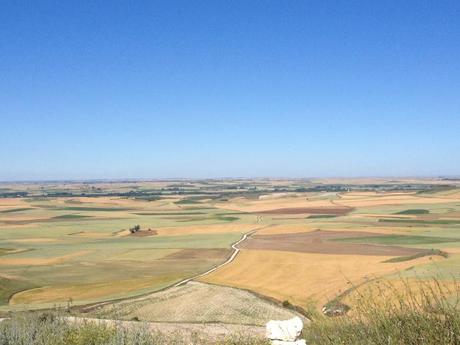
(232, 257)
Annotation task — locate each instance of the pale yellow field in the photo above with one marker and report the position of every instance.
(41, 261)
(206, 229)
(143, 254)
(379, 199)
(9, 203)
(388, 291)
(83, 292)
(302, 277)
(292, 201)
(377, 215)
(52, 235)
(351, 199)
(87, 234)
(286, 229)
(376, 180)
(24, 218)
(307, 227)
(36, 240)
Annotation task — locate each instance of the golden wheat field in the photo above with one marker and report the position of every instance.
(307, 242)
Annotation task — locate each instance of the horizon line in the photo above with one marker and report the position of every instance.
(228, 178)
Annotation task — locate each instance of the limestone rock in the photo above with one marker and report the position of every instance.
(286, 331)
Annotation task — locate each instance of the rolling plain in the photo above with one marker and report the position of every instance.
(310, 242)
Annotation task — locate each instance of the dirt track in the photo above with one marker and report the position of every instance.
(236, 250)
(320, 242)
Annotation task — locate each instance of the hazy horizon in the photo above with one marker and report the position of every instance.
(236, 178)
(151, 90)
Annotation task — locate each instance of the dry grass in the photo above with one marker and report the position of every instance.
(386, 291)
(371, 199)
(395, 312)
(266, 271)
(205, 229)
(302, 277)
(287, 229)
(86, 292)
(295, 200)
(41, 261)
(35, 240)
(12, 203)
(53, 329)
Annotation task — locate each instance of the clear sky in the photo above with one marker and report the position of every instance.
(155, 89)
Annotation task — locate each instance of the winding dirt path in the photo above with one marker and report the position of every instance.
(236, 250)
(232, 257)
(184, 330)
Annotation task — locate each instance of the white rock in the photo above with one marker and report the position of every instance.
(286, 331)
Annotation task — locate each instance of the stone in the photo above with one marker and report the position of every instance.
(285, 330)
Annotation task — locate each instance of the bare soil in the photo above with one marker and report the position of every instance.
(144, 233)
(200, 253)
(319, 242)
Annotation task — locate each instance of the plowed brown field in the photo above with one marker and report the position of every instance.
(321, 242)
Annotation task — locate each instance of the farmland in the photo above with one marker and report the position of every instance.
(76, 244)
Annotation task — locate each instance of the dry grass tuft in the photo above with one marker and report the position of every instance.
(423, 313)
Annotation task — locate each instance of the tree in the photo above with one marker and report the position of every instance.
(135, 228)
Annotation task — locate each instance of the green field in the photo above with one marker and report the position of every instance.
(70, 243)
(59, 249)
(414, 211)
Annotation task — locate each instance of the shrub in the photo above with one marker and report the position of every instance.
(51, 329)
(135, 228)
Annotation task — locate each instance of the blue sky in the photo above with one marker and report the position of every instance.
(157, 89)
